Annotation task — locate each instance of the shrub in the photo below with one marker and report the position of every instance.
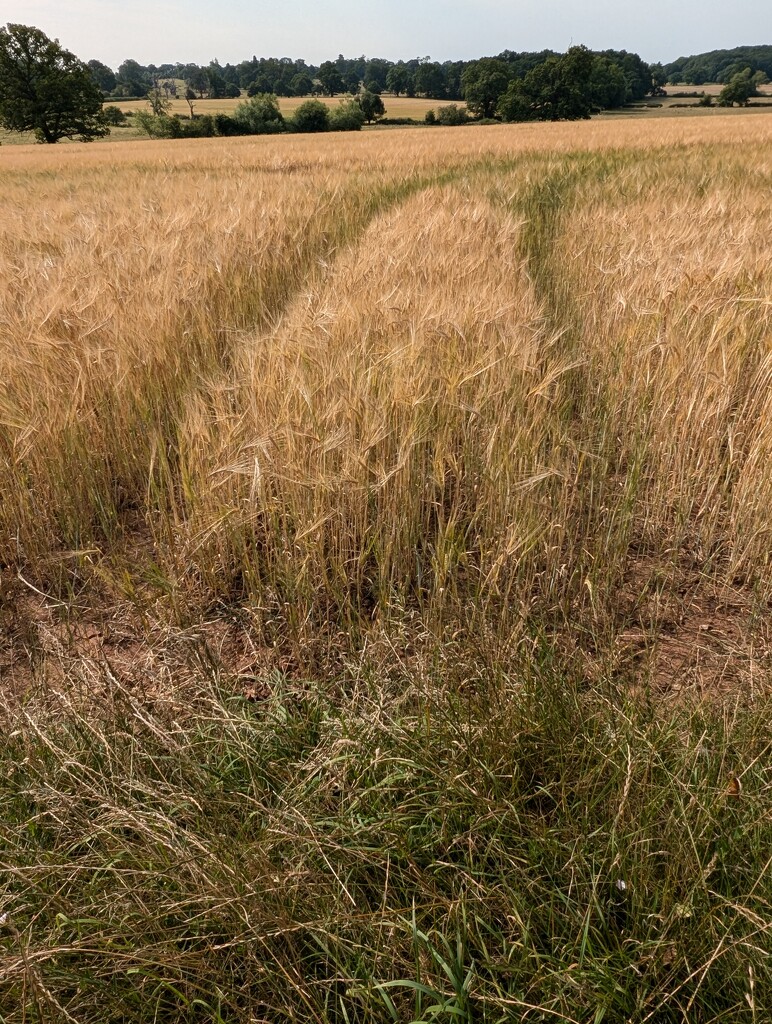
(259, 115)
(430, 117)
(158, 127)
(114, 116)
(226, 125)
(452, 115)
(199, 127)
(348, 116)
(311, 116)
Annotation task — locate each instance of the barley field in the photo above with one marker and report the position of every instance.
(385, 577)
(396, 106)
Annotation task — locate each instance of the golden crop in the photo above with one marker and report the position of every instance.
(491, 377)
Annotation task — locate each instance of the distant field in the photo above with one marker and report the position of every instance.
(710, 89)
(402, 106)
(385, 577)
(396, 106)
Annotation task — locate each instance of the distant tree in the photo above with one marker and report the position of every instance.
(608, 85)
(330, 78)
(397, 79)
(453, 71)
(102, 75)
(45, 89)
(190, 98)
(159, 100)
(727, 73)
(375, 74)
(259, 115)
(371, 106)
(636, 71)
(738, 91)
(260, 86)
(232, 91)
(560, 89)
(133, 79)
(720, 65)
(430, 80)
(311, 116)
(195, 80)
(483, 83)
(217, 85)
(352, 83)
(759, 78)
(301, 84)
(658, 79)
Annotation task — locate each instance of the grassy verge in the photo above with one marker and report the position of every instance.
(400, 851)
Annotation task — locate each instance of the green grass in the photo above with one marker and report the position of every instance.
(409, 849)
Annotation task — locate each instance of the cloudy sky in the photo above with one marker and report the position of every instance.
(156, 31)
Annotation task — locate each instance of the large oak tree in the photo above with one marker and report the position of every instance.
(45, 89)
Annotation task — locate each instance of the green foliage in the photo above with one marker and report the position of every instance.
(165, 127)
(196, 81)
(429, 79)
(158, 126)
(658, 79)
(45, 89)
(114, 116)
(102, 75)
(226, 125)
(397, 79)
(560, 89)
(301, 85)
(638, 74)
(348, 116)
(311, 116)
(452, 115)
(259, 115)
(430, 117)
(216, 84)
(331, 79)
(484, 82)
(132, 79)
(608, 85)
(352, 83)
(371, 106)
(159, 100)
(720, 65)
(739, 90)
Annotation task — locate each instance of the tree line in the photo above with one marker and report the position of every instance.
(720, 65)
(283, 76)
(47, 90)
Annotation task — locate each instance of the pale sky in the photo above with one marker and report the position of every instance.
(159, 31)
